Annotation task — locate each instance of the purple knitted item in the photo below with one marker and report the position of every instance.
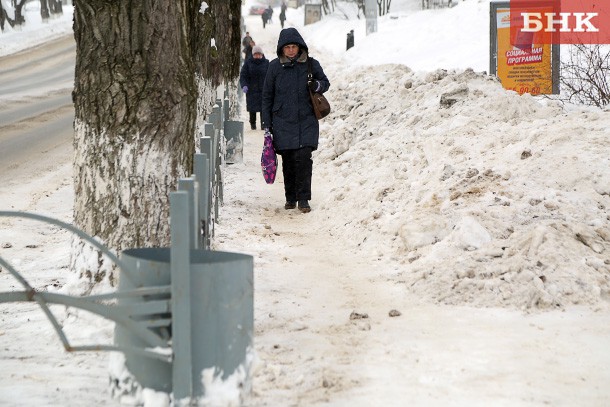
(269, 160)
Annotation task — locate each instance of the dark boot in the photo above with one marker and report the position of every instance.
(253, 126)
(290, 205)
(304, 206)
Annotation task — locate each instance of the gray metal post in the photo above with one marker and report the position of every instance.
(219, 161)
(207, 147)
(234, 137)
(225, 107)
(217, 113)
(192, 188)
(202, 172)
(217, 173)
(211, 120)
(182, 373)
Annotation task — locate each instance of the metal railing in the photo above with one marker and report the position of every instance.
(178, 310)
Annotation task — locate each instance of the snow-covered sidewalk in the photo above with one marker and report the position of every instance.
(316, 347)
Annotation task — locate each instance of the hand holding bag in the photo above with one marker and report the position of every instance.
(268, 159)
(321, 107)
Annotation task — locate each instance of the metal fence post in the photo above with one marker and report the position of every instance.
(225, 107)
(182, 372)
(234, 139)
(192, 188)
(202, 172)
(217, 113)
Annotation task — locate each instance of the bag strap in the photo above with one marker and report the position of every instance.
(309, 74)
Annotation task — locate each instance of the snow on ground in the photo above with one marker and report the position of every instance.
(457, 253)
(496, 200)
(35, 31)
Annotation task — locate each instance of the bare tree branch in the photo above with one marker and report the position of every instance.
(585, 75)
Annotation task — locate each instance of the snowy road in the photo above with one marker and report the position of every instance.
(36, 110)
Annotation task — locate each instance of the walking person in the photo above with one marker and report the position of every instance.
(282, 17)
(251, 80)
(288, 114)
(265, 16)
(247, 50)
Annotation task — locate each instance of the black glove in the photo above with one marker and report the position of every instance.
(313, 85)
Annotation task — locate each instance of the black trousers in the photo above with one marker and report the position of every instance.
(297, 169)
(253, 118)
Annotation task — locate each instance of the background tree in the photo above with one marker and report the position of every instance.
(383, 6)
(44, 10)
(3, 16)
(585, 75)
(19, 19)
(48, 7)
(144, 71)
(328, 6)
(216, 49)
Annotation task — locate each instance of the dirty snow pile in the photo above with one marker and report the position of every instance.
(481, 196)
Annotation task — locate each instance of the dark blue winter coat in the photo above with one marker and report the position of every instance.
(253, 75)
(287, 108)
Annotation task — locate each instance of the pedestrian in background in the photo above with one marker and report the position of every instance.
(288, 114)
(282, 17)
(247, 50)
(251, 80)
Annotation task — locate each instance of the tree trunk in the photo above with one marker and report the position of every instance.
(135, 103)
(19, 18)
(215, 61)
(56, 7)
(3, 17)
(145, 80)
(44, 10)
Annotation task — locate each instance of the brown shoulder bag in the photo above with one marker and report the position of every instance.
(321, 107)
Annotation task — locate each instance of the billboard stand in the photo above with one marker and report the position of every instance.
(528, 65)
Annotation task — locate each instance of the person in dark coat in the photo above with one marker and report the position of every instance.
(247, 43)
(248, 50)
(282, 18)
(251, 79)
(288, 114)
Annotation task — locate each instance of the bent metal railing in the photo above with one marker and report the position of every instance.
(121, 314)
(207, 307)
(172, 301)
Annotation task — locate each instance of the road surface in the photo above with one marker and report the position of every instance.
(36, 111)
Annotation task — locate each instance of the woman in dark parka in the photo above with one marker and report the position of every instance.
(289, 116)
(251, 79)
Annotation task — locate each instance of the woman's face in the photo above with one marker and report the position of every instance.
(291, 50)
